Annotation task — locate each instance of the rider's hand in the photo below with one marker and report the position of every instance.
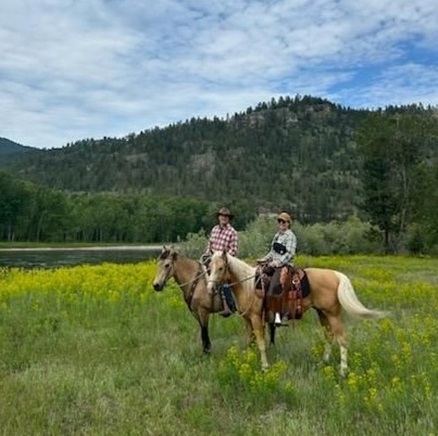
(273, 263)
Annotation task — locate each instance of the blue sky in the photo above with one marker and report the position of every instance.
(75, 69)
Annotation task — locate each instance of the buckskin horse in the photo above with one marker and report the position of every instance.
(330, 292)
(190, 275)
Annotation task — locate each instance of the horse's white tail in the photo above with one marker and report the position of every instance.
(350, 302)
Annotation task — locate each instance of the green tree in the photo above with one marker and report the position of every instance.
(392, 145)
(15, 197)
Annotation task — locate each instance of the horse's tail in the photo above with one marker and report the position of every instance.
(349, 301)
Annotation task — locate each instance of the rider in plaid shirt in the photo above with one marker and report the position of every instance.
(223, 237)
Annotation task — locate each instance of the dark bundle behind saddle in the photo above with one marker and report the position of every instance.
(288, 293)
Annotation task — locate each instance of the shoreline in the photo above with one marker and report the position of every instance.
(94, 248)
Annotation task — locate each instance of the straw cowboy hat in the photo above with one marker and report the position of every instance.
(225, 211)
(285, 217)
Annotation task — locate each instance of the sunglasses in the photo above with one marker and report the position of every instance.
(281, 221)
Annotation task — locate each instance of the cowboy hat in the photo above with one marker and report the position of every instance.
(225, 211)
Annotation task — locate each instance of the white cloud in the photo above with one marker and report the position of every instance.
(73, 69)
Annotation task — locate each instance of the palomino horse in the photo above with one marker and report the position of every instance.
(191, 278)
(330, 292)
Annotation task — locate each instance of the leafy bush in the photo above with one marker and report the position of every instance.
(194, 245)
(348, 237)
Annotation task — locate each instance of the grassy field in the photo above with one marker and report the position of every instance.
(93, 350)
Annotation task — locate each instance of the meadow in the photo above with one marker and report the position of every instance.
(94, 350)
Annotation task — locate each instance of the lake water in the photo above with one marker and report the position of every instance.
(57, 257)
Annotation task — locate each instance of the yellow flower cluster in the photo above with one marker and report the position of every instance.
(244, 368)
(107, 281)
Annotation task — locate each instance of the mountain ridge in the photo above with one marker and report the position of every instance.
(8, 147)
(295, 153)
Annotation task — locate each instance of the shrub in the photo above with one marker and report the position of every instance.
(348, 237)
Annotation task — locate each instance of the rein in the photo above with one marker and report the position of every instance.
(188, 294)
(243, 280)
(202, 273)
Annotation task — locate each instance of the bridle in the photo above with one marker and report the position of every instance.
(227, 270)
(171, 270)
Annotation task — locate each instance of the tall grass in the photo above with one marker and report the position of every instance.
(93, 350)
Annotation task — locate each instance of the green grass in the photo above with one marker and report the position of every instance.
(93, 350)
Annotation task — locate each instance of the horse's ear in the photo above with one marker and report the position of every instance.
(164, 253)
(171, 252)
(224, 254)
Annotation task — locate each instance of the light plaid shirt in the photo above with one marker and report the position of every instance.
(222, 238)
(289, 240)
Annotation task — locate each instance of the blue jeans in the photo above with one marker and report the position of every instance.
(227, 293)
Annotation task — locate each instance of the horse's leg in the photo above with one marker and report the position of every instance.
(259, 332)
(203, 317)
(272, 329)
(328, 334)
(338, 330)
(249, 331)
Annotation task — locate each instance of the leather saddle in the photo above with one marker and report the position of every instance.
(288, 294)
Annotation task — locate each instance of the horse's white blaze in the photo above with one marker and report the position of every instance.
(210, 285)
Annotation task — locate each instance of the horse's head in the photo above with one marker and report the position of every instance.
(219, 269)
(165, 267)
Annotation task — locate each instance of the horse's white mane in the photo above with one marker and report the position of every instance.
(244, 273)
(239, 267)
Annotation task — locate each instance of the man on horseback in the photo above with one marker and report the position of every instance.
(282, 252)
(223, 237)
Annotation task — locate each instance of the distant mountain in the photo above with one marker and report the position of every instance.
(8, 147)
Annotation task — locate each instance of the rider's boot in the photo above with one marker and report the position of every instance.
(226, 311)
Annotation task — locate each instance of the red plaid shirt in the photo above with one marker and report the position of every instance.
(222, 238)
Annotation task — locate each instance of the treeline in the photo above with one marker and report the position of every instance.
(32, 213)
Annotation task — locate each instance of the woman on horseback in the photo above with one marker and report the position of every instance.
(282, 252)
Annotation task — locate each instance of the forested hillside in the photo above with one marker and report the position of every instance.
(294, 153)
(8, 147)
(317, 160)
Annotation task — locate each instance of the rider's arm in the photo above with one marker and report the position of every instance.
(233, 244)
(268, 257)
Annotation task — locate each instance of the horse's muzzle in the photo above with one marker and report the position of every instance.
(211, 287)
(158, 286)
